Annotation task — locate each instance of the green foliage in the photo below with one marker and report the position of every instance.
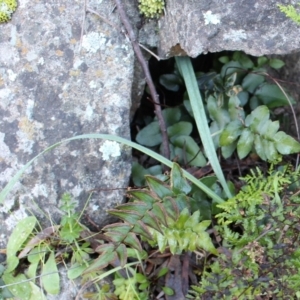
(259, 228)
(237, 101)
(290, 11)
(151, 8)
(179, 127)
(40, 248)
(7, 7)
(132, 288)
(161, 215)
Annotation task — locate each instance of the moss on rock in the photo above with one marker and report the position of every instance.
(7, 7)
(151, 8)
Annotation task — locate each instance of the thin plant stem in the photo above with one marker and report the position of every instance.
(144, 64)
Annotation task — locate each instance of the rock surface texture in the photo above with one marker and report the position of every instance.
(58, 80)
(63, 75)
(256, 27)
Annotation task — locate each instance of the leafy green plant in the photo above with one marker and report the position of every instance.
(259, 254)
(40, 249)
(162, 216)
(183, 147)
(290, 11)
(236, 108)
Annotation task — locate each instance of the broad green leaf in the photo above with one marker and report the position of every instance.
(168, 291)
(32, 269)
(162, 272)
(171, 115)
(243, 59)
(193, 220)
(21, 288)
(270, 150)
(223, 59)
(231, 132)
(228, 150)
(271, 95)
(50, 276)
(269, 129)
(17, 238)
(161, 241)
(4, 292)
(257, 118)
(188, 107)
(218, 114)
(245, 143)
(251, 81)
(171, 82)
(188, 148)
(244, 97)
(172, 241)
(178, 129)
(129, 216)
(259, 147)
(202, 226)
(234, 109)
(183, 217)
(101, 262)
(285, 144)
(76, 270)
(230, 68)
(276, 63)
(262, 60)
(179, 184)
(138, 172)
(36, 292)
(150, 135)
(254, 102)
(204, 242)
(158, 187)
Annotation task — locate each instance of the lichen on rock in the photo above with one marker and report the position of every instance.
(151, 8)
(7, 7)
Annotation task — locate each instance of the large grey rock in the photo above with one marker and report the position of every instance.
(56, 83)
(254, 26)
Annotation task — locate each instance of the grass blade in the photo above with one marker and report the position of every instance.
(121, 140)
(185, 66)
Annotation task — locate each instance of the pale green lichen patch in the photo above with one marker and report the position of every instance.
(7, 7)
(110, 149)
(151, 8)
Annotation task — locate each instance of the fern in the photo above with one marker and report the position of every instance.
(260, 235)
(291, 12)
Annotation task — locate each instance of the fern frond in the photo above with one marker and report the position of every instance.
(291, 12)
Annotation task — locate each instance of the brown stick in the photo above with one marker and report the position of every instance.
(144, 64)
